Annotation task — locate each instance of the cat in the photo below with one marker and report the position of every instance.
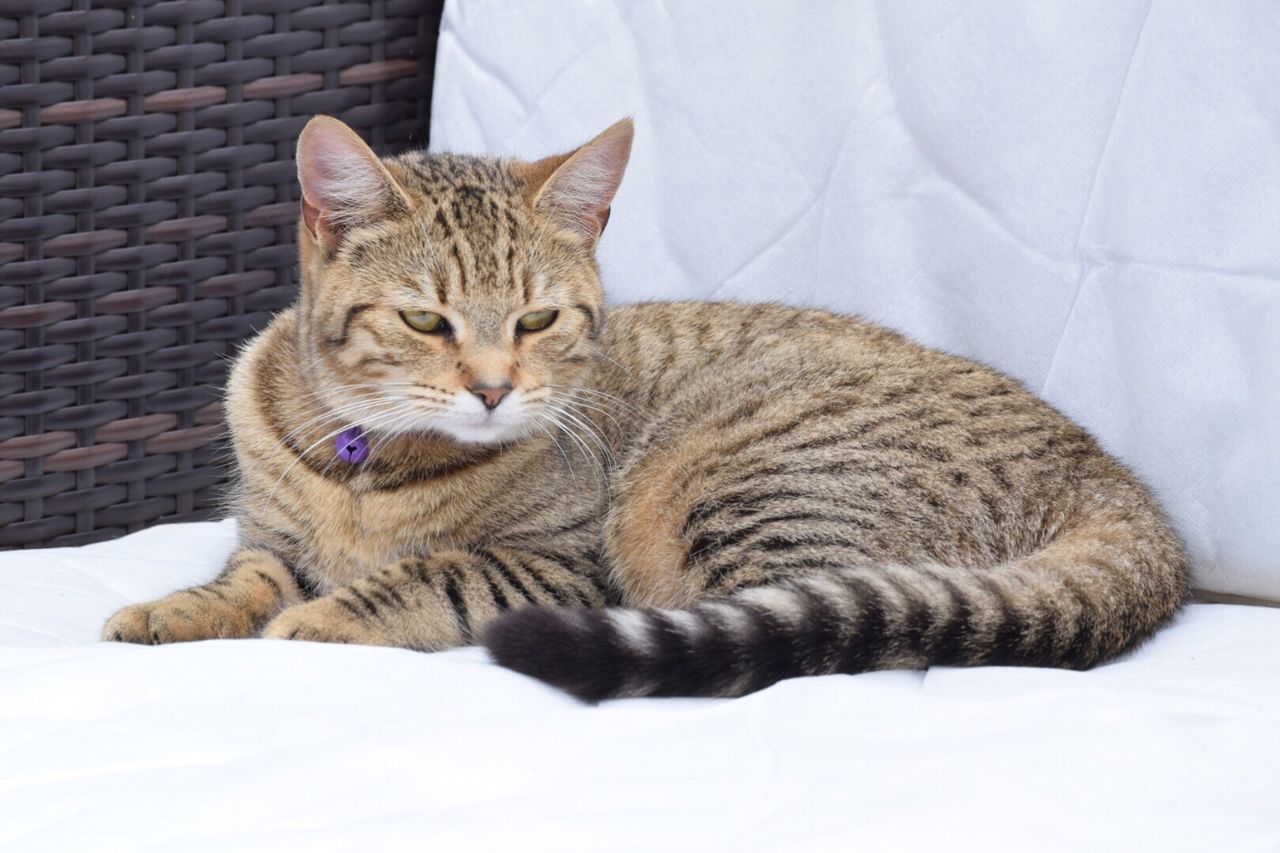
(445, 441)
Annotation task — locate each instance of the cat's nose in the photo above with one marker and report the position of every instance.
(490, 395)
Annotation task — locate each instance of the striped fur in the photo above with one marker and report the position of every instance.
(683, 499)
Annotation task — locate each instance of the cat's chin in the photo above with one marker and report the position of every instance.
(482, 433)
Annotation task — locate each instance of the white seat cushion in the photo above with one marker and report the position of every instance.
(269, 745)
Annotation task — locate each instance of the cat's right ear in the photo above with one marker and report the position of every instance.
(343, 182)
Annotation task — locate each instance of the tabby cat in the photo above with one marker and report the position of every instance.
(446, 442)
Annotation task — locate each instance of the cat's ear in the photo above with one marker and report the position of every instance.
(575, 189)
(343, 181)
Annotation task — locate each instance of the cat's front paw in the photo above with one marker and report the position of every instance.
(324, 620)
(129, 625)
(178, 619)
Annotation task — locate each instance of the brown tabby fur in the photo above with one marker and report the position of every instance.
(773, 491)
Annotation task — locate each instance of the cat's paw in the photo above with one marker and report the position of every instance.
(324, 620)
(129, 625)
(180, 618)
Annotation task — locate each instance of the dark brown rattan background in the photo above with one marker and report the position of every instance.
(147, 209)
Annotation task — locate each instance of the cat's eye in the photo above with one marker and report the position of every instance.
(425, 321)
(536, 321)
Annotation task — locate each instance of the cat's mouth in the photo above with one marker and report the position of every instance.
(466, 419)
(488, 430)
(461, 416)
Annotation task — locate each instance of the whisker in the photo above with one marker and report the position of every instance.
(347, 406)
(582, 445)
(388, 432)
(372, 427)
(589, 406)
(572, 474)
(599, 351)
(375, 418)
(585, 425)
(327, 413)
(582, 448)
(580, 389)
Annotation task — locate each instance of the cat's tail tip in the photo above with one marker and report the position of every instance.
(566, 647)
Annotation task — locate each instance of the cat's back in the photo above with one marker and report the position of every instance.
(815, 386)
(653, 350)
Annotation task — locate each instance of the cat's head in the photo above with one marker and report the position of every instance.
(451, 294)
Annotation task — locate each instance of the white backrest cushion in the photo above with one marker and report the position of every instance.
(1084, 195)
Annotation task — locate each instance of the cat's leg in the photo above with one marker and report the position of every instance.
(254, 586)
(443, 600)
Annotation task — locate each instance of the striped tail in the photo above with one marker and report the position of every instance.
(1084, 598)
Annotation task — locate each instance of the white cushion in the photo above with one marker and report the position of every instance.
(274, 745)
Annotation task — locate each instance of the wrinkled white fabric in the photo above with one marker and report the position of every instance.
(273, 745)
(1085, 195)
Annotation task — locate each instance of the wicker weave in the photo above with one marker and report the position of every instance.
(147, 208)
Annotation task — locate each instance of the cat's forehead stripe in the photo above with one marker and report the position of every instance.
(471, 239)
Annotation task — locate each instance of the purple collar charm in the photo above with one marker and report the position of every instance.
(352, 446)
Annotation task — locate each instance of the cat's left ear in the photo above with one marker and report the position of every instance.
(575, 189)
(343, 182)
